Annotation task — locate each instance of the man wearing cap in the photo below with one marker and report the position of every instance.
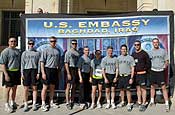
(10, 62)
(125, 74)
(50, 63)
(96, 79)
(71, 60)
(30, 70)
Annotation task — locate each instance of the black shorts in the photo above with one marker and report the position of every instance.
(51, 76)
(141, 79)
(30, 77)
(157, 78)
(95, 82)
(123, 82)
(74, 75)
(110, 78)
(15, 79)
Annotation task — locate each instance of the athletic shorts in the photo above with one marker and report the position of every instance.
(15, 79)
(157, 77)
(141, 79)
(30, 77)
(123, 82)
(95, 82)
(110, 78)
(74, 75)
(51, 76)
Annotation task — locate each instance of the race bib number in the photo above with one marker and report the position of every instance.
(98, 72)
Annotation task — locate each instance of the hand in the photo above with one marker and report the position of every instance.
(37, 76)
(90, 80)
(130, 81)
(22, 76)
(44, 76)
(81, 80)
(69, 77)
(7, 78)
(106, 81)
(115, 80)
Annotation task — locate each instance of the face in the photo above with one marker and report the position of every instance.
(30, 45)
(86, 51)
(74, 45)
(155, 43)
(110, 52)
(53, 42)
(98, 55)
(12, 42)
(123, 50)
(137, 46)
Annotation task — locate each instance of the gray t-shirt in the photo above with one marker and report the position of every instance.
(124, 64)
(96, 66)
(51, 57)
(11, 58)
(109, 64)
(84, 64)
(71, 57)
(30, 60)
(158, 58)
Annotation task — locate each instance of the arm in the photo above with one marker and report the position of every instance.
(5, 72)
(68, 72)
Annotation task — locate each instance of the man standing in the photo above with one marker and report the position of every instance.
(159, 59)
(10, 61)
(96, 79)
(142, 62)
(50, 63)
(84, 68)
(109, 73)
(30, 69)
(71, 60)
(125, 70)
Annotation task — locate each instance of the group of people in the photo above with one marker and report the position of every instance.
(86, 74)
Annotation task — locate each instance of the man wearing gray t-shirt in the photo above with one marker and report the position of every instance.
(125, 72)
(109, 73)
(159, 62)
(71, 60)
(50, 63)
(10, 62)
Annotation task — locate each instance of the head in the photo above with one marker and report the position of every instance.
(155, 43)
(86, 50)
(123, 49)
(98, 54)
(74, 44)
(12, 42)
(53, 41)
(110, 50)
(137, 45)
(40, 11)
(31, 43)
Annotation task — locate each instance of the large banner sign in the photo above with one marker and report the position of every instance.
(98, 32)
(98, 27)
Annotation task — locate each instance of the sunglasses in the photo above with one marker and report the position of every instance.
(31, 43)
(74, 43)
(53, 41)
(13, 41)
(137, 44)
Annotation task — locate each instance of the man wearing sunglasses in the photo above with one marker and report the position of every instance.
(30, 70)
(71, 59)
(10, 62)
(143, 64)
(50, 63)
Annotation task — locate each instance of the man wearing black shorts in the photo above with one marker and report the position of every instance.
(50, 63)
(10, 61)
(30, 70)
(159, 62)
(71, 59)
(142, 62)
